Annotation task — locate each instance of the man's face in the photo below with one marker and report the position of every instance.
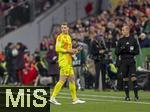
(125, 30)
(64, 29)
(51, 47)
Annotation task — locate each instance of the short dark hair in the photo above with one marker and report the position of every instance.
(65, 23)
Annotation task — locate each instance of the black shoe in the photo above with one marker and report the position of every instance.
(136, 98)
(127, 99)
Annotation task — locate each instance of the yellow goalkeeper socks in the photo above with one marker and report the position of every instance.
(57, 88)
(72, 88)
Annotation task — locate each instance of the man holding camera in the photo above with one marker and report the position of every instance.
(98, 55)
(127, 49)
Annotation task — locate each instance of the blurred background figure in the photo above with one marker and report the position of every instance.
(113, 74)
(43, 77)
(29, 70)
(98, 55)
(3, 69)
(144, 40)
(78, 63)
(20, 60)
(52, 60)
(11, 60)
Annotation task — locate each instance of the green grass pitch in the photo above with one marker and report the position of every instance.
(102, 102)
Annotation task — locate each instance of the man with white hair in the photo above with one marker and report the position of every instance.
(144, 40)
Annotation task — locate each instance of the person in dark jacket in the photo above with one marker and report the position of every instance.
(43, 77)
(127, 49)
(53, 68)
(20, 60)
(98, 55)
(144, 40)
(11, 53)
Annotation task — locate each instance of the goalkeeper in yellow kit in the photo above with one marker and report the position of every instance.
(65, 52)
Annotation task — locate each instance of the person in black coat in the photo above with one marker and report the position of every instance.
(127, 49)
(20, 60)
(53, 68)
(98, 55)
(11, 62)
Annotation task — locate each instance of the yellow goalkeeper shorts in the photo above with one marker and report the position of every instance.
(66, 71)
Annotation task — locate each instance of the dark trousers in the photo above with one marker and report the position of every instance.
(13, 77)
(100, 68)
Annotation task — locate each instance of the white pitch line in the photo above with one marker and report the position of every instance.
(116, 101)
(100, 96)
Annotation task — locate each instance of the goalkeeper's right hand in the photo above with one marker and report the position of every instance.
(72, 51)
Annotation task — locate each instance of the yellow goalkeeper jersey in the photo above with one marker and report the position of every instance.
(64, 43)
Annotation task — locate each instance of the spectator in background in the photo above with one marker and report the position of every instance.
(41, 6)
(44, 44)
(20, 60)
(87, 39)
(29, 71)
(19, 15)
(11, 54)
(145, 20)
(98, 55)
(15, 61)
(112, 73)
(56, 32)
(89, 71)
(47, 5)
(111, 34)
(43, 77)
(51, 2)
(78, 25)
(78, 63)
(4, 6)
(2, 56)
(3, 69)
(144, 40)
(52, 58)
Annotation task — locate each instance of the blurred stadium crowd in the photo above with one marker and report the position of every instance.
(15, 13)
(19, 67)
